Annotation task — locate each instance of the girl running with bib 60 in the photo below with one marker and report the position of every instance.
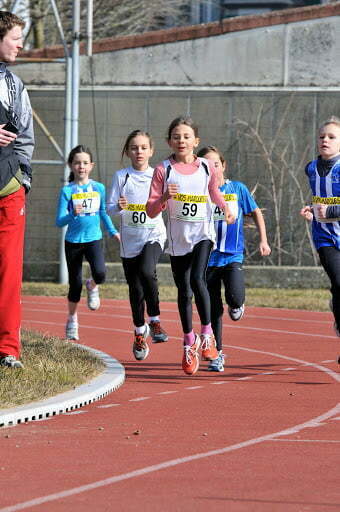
(186, 185)
(142, 239)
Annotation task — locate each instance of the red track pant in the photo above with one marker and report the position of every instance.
(12, 227)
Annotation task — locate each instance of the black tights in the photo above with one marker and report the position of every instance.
(75, 253)
(141, 277)
(233, 279)
(189, 273)
(330, 260)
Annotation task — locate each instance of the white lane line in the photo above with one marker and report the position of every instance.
(166, 392)
(194, 387)
(175, 310)
(306, 440)
(107, 406)
(328, 361)
(140, 399)
(266, 373)
(219, 382)
(260, 329)
(75, 412)
(287, 369)
(244, 378)
(336, 419)
(168, 464)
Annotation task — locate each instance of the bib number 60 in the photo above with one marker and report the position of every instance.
(139, 217)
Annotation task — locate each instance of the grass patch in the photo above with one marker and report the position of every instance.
(52, 366)
(310, 299)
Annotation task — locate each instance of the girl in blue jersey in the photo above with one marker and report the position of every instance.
(142, 240)
(81, 207)
(324, 179)
(225, 263)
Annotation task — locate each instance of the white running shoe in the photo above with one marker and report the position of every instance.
(11, 362)
(236, 313)
(93, 299)
(72, 330)
(217, 365)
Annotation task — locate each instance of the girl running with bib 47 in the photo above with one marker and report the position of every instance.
(81, 207)
(324, 180)
(142, 239)
(225, 263)
(187, 185)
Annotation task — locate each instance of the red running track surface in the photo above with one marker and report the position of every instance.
(261, 437)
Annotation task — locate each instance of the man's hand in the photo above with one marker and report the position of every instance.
(6, 137)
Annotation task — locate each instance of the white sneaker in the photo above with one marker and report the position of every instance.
(11, 362)
(93, 300)
(72, 330)
(236, 313)
(217, 365)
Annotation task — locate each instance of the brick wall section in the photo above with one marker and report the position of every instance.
(197, 31)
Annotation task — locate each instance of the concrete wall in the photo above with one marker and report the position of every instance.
(284, 48)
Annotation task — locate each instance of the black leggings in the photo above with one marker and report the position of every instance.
(75, 254)
(234, 288)
(330, 260)
(189, 273)
(141, 277)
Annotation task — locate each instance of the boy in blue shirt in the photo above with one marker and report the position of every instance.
(225, 263)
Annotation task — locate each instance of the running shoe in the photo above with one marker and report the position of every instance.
(158, 334)
(140, 347)
(217, 365)
(190, 361)
(236, 313)
(93, 300)
(72, 330)
(208, 346)
(11, 362)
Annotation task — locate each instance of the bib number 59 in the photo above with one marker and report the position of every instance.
(189, 209)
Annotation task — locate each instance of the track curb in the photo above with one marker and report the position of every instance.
(96, 389)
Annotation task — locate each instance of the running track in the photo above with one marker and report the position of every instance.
(261, 437)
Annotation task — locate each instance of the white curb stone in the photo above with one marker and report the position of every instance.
(107, 382)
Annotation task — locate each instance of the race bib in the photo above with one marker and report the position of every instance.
(190, 208)
(134, 216)
(89, 201)
(328, 201)
(231, 200)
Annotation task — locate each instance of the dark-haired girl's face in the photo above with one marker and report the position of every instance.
(219, 166)
(183, 141)
(81, 166)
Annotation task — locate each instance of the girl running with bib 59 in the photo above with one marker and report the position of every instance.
(186, 185)
(142, 239)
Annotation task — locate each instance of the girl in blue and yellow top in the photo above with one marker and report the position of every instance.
(324, 180)
(225, 263)
(81, 207)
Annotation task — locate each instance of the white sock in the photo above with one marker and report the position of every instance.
(73, 318)
(153, 319)
(140, 330)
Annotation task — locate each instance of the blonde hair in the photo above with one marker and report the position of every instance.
(332, 120)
